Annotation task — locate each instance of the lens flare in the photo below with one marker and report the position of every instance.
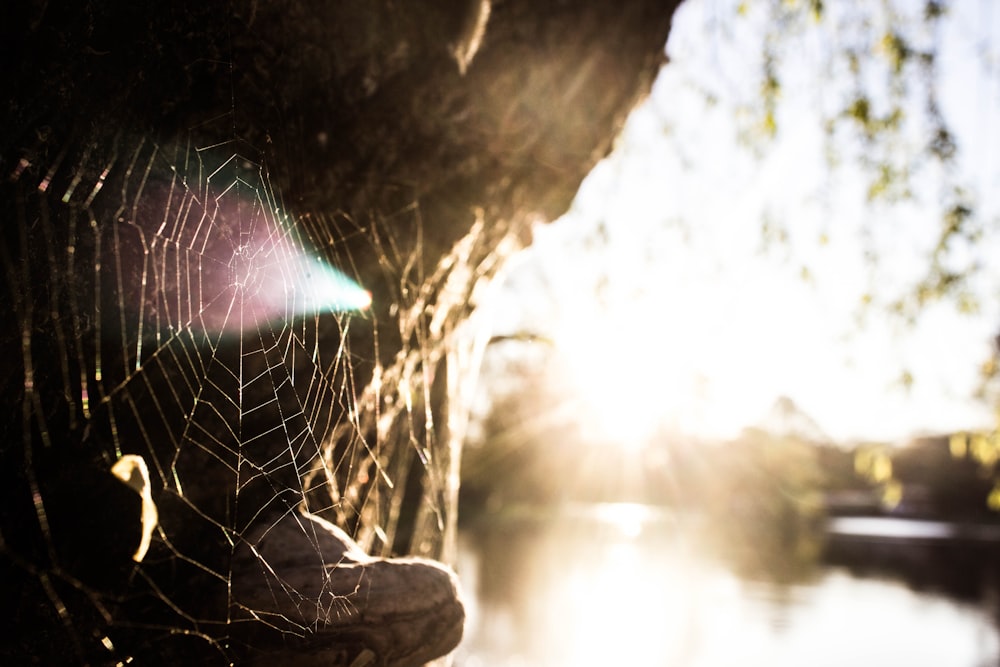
(229, 262)
(273, 278)
(315, 287)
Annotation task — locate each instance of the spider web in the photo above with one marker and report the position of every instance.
(167, 304)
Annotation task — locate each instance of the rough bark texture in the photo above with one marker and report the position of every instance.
(374, 134)
(359, 106)
(404, 611)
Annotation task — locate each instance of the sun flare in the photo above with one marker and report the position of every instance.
(629, 385)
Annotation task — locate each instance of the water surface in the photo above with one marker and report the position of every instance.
(623, 584)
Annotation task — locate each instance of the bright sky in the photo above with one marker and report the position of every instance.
(678, 301)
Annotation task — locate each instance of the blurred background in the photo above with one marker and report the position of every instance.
(739, 405)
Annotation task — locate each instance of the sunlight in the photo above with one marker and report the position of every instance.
(629, 387)
(615, 613)
(629, 519)
(669, 348)
(694, 280)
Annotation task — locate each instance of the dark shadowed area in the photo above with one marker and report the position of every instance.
(239, 240)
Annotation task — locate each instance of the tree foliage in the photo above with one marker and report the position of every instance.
(875, 74)
(891, 111)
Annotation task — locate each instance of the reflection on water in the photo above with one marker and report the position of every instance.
(625, 584)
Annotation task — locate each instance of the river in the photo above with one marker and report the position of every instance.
(627, 584)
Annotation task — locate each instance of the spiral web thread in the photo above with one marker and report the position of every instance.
(170, 306)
